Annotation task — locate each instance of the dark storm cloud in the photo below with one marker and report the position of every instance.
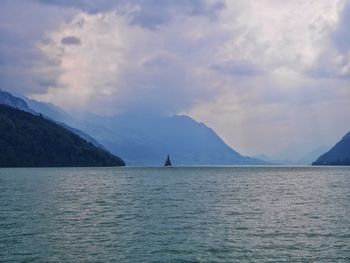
(237, 68)
(84, 5)
(146, 13)
(22, 26)
(156, 12)
(341, 36)
(71, 40)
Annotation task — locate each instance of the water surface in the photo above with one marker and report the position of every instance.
(207, 214)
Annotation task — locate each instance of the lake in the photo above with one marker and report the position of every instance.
(189, 214)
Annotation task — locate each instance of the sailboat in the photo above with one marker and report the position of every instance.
(167, 162)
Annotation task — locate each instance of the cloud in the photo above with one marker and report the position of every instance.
(130, 68)
(283, 111)
(146, 13)
(237, 68)
(334, 58)
(71, 40)
(23, 69)
(84, 5)
(278, 69)
(270, 99)
(341, 35)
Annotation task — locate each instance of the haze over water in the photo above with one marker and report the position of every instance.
(207, 214)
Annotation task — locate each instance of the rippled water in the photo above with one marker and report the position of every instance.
(212, 214)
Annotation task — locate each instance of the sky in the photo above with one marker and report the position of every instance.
(269, 76)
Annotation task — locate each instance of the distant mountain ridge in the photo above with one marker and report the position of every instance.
(7, 98)
(314, 154)
(28, 140)
(146, 140)
(47, 110)
(338, 155)
(273, 161)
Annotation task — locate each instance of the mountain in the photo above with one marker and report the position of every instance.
(28, 140)
(338, 155)
(146, 140)
(271, 160)
(308, 158)
(15, 102)
(48, 110)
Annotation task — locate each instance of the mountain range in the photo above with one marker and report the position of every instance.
(306, 159)
(143, 140)
(49, 110)
(28, 140)
(147, 139)
(338, 155)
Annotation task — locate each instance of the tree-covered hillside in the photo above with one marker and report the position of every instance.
(338, 155)
(27, 140)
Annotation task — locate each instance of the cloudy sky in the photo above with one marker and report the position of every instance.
(266, 75)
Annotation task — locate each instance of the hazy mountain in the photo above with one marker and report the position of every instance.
(298, 154)
(28, 140)
(10, 100)
(272, 160)
(313, 155)
(338, 155)
(145, 140)
(48, 110)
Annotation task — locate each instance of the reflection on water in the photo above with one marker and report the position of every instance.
(208, 214)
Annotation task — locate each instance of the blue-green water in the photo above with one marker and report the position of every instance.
(222, 214)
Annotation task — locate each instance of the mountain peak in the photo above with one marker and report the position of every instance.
(10, 100)
(143, 139)
(338, 155)
(29, 140)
